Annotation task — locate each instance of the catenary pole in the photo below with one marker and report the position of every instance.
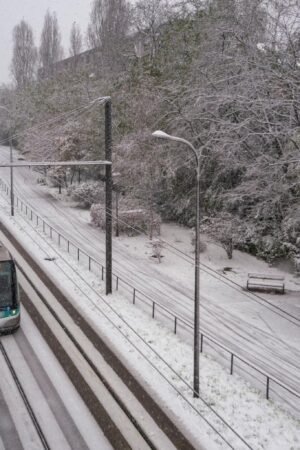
(108, 196)
(12, 208)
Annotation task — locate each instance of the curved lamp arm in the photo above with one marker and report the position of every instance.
(162, 135)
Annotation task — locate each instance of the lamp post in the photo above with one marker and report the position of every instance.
(12, 208)
(163, 135)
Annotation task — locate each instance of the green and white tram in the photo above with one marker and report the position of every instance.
(9, 293)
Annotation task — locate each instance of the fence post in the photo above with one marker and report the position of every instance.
(133, 299)
(201, 342)
(153, 310)
(26, 210)
(37, 220)
(51, 232)
(68, 246)
(102, 273)
(58, 239)
(89, 263)
(175, 324)
(78, 252)
(231, 364)
(43, 226)
(268, 388)
(31, 214)
(117, 283)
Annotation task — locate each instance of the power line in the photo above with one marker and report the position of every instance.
(54, 119)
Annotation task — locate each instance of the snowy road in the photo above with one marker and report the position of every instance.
(259, 334)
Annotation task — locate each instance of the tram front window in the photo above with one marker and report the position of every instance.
(6, 291)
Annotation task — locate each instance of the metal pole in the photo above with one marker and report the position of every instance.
(117, 213)
(197, 290)
(108, 196)
(162, 135)
(12, 209)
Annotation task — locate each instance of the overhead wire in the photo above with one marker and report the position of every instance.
(173, 249)
(213, 273)
(230, 283)
(54, 119)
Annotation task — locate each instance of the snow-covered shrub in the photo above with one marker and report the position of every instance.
(97, 215)
(131, 222)
(56, 177)
(157, 247)
(296, 262)
(223, 229)
(153, 224)
(291, 228)
(87, 193)
(202, 244)
(41, 180)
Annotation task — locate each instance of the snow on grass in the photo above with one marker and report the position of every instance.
(262, 423)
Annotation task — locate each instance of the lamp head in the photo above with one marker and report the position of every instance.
(161, 134)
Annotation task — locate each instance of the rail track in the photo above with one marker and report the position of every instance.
(169, 312)
(165, 423)
(24, 397)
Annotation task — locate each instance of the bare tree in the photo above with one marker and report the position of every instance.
(149, 15)
(75, 40)
(108, 27)
(51, 50)
(24, 55)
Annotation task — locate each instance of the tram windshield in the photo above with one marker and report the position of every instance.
(6, 284)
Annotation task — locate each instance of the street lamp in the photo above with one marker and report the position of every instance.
(162, 135)
(12, 209)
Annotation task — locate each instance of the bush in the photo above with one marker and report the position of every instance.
(56, 176)
(157, 248)
(131, 222)
(87, 193)
(203, 245)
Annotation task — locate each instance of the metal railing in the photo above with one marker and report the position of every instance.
(137, 295)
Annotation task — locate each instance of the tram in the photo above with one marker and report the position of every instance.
(9, 293)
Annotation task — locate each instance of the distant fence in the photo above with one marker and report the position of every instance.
(137, 295)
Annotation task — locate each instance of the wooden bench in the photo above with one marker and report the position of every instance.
(267, 283)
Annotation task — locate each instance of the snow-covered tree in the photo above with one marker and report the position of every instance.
(51, 49)
(148, 18)
(23, 65)
(76, 43)
(108, 28)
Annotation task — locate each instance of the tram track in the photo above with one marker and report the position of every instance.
(173, 434)
(24, 397)
(161, 293)
(258, 354)
(165, 424)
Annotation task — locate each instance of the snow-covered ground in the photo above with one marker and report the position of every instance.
(244, 325)
(63, 417)
(247, 327)
(261, 423)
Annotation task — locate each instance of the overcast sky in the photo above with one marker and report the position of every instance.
(33, 12)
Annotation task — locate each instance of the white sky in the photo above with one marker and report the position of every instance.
(33, 11)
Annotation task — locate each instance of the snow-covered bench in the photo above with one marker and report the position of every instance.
(260, 282)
